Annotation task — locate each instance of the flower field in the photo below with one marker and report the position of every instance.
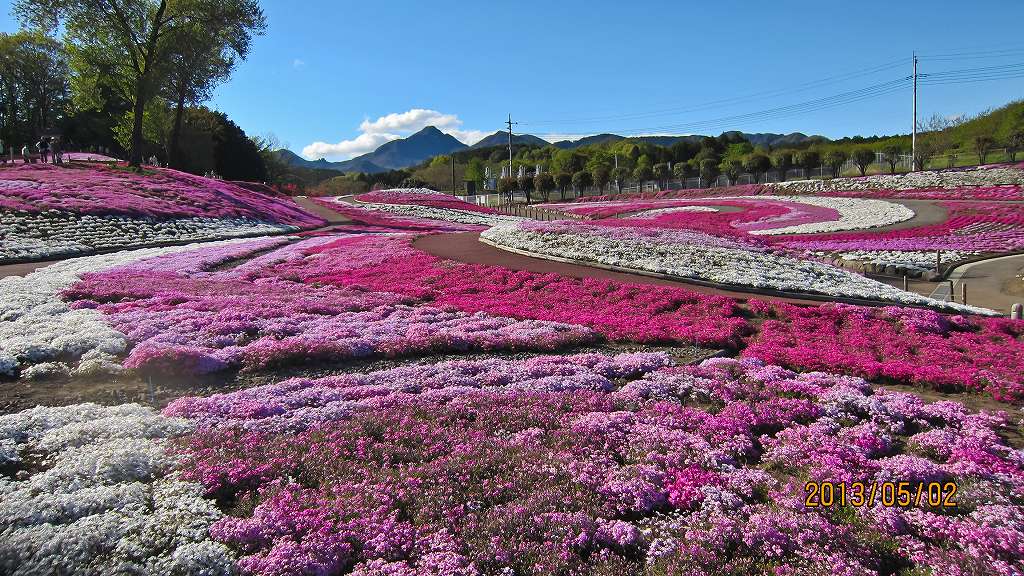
(364, 215)
(375, 409)
(445, 211)
(836, 226)
(970, 226)
(698, 256)
(102, 190)
(420, 197)
(993, 182)
(573, 464)
(773, 215)
(49, 211)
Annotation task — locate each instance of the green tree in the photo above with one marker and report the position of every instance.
(682, 171)
(709, 171)
(892, 153)
(563, 180)
(526, 185)
(620, 175)
(661, 174)
(834, 159)
(276, 169)
(233, 155)
(732, 168)
(126, 45)
(544, 183)
(642, 173)
(581, 180)
(600, 174)
(198, 60)
(927, 148)
(863, 157)
(34, 90)
(507, 186)
(757, 164)
(808, 160)
(1014, 144)
(983, 145)
(348, 184)
(474, 171)
(782, 161)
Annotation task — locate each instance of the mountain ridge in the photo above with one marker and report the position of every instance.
(430, 142)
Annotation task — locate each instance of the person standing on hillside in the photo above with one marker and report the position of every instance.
(55, 151)
(43, 146)
(3, 159)
(26, 154)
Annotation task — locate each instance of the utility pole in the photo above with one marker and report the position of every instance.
(510, 123)
(453, 175)
(913, 139)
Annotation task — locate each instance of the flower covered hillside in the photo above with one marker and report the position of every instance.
(59, 211)
(160, 193)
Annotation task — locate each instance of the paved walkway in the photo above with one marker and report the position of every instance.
(332, 217)
(989, 283)
(465, 247)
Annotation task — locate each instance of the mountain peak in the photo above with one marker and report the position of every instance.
(428, 130)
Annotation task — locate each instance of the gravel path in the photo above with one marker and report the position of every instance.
(320, 210)
(466, 247)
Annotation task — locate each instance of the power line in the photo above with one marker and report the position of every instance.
(958, 76)
(1004, 52)
(832, 101)
(729, 101)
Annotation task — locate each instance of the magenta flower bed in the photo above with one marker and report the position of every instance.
(970, 226)
(422, 198)
(902, 345)
(552, 466)
(976, 226)
(386, 220)
(625, 207)
(104, 190)
(343, 297)
(754, 214)
(971, 353)
(734, 224)
(188, 322)
(1000, 192)
(619, 311)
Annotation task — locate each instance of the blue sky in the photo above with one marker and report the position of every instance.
(336, 79)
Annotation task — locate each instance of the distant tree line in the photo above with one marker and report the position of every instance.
(550, 169)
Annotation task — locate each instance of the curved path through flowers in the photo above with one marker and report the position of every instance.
(313, 207)
(466, 247)
(988, 282)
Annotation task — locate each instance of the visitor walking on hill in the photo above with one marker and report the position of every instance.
(44, 147)
(26, 154)
(3, 159)
(55, 152)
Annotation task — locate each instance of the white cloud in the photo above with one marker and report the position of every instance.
(468, 136)
(298, 63)
(389, 127)
(559, 137)
(347, 148)
(413, 120)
